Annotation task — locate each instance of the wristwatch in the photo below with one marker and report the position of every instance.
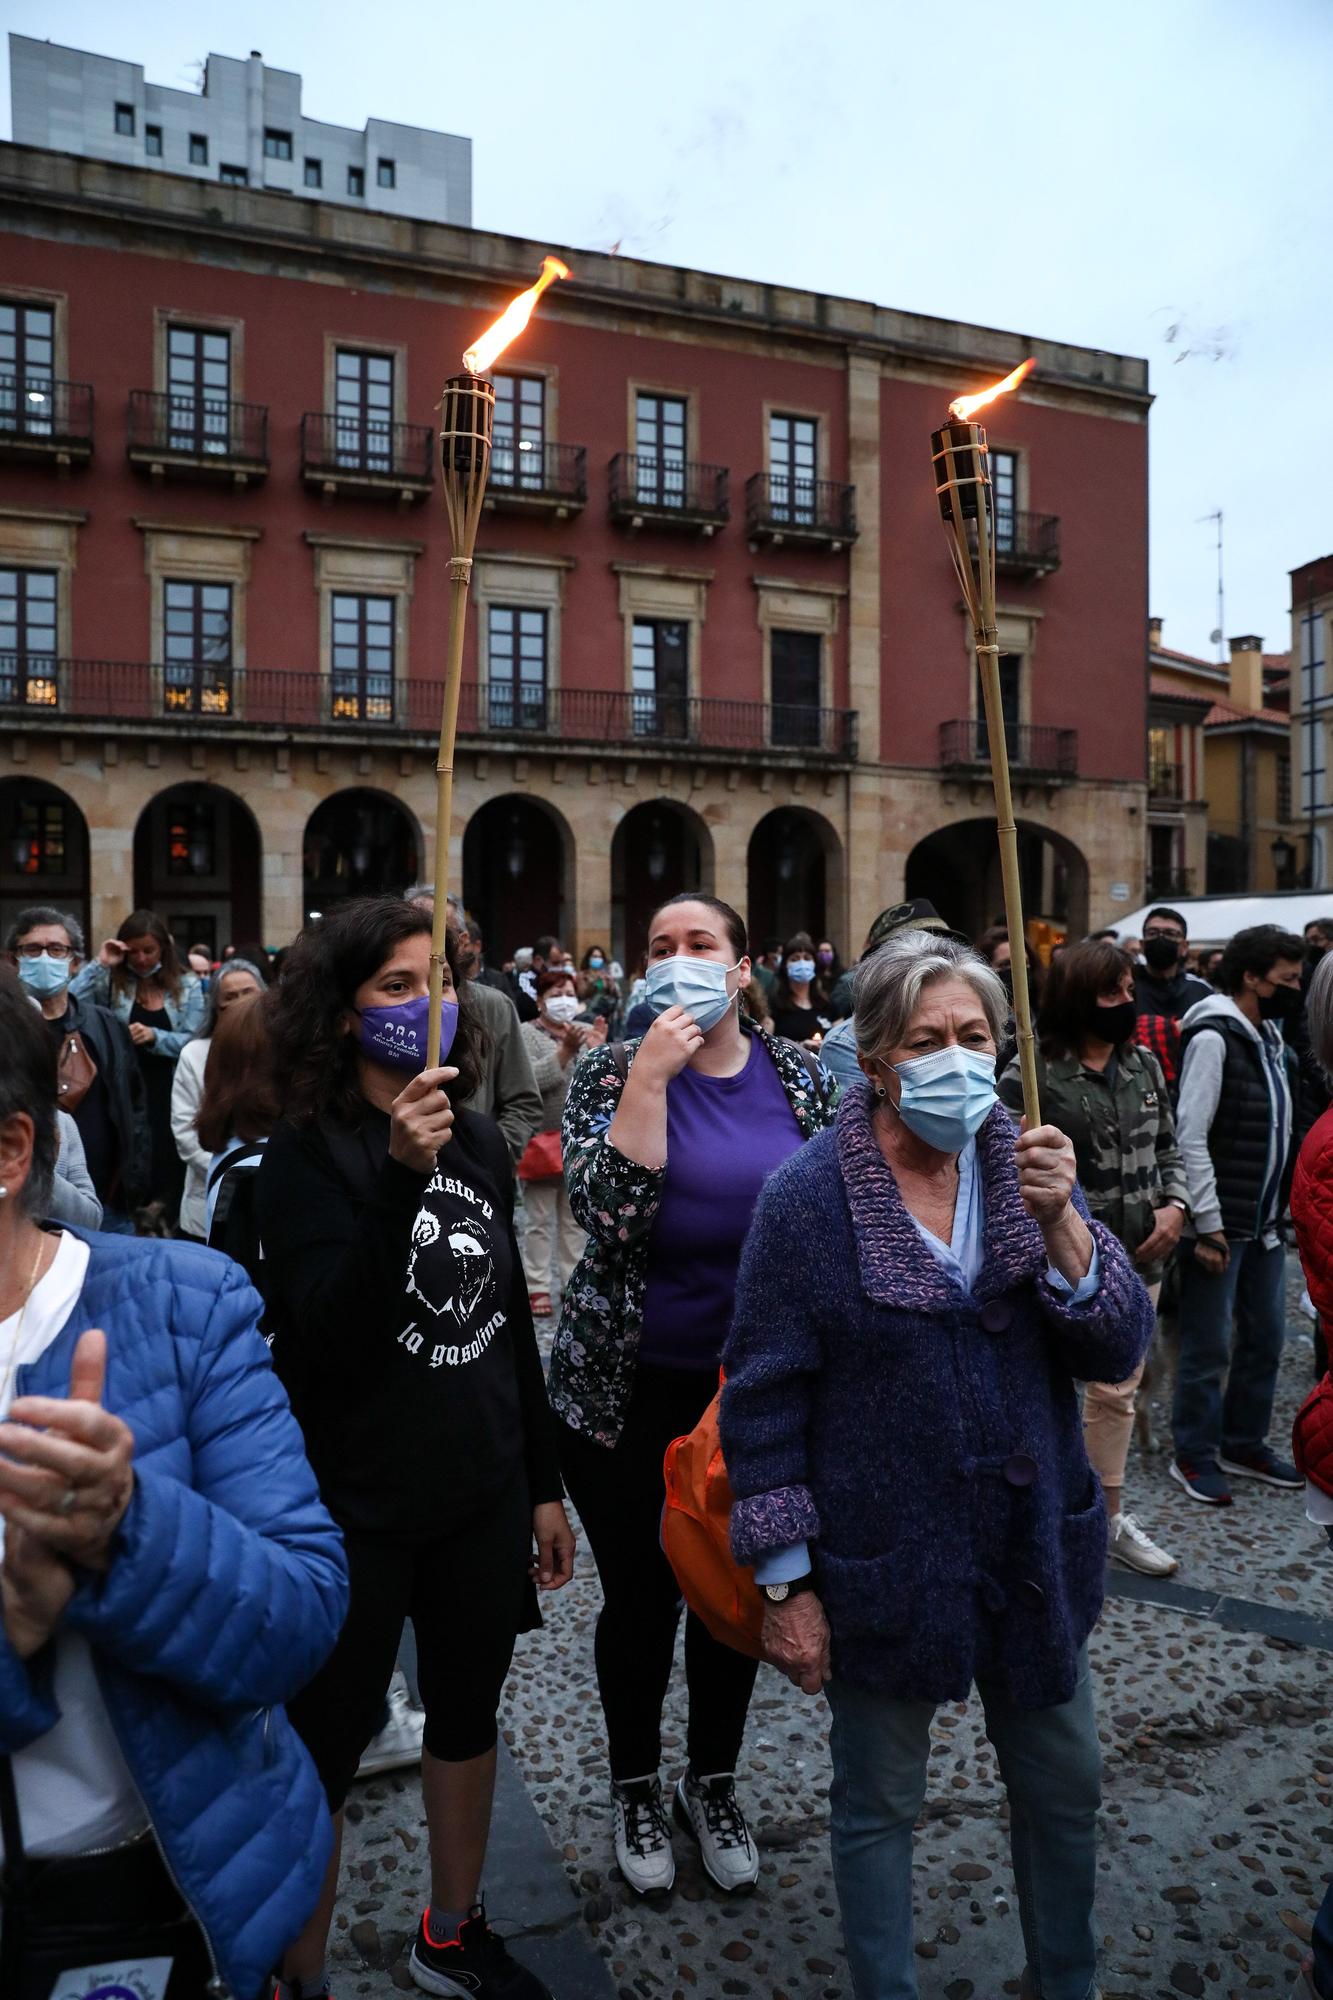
(778, 1593)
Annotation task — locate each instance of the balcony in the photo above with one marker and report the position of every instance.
(38, 690)
(652, 492)
(1166, 784)
(547, 480)
(1025, 544)
(799, 513)
(1035, 750)
(1167, 884)
(43, 421)
(348, 454)
(198, 437)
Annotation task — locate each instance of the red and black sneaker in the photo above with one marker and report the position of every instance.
(475, 1965)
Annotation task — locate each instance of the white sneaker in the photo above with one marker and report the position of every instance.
(707, 1809)
(1130, 1546)
(399, 1742)
(643, 1835)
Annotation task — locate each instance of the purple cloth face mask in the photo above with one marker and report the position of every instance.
(396, 1036)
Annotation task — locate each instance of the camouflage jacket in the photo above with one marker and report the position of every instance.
(616, 1201)
(1124, 1138)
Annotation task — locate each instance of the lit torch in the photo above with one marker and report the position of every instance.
(466, 423)
(967, 507)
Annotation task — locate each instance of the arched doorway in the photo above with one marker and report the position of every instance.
(515, 866)
(659, 849)
(958, 869)
(197, 863)
(43, 850)
(791, 857)
(358, 843)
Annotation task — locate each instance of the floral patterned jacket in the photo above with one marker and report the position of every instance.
(616, 1201)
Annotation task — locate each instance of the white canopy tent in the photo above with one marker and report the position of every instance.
(1214, 919)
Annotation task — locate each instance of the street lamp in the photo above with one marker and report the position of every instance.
(1284, 858)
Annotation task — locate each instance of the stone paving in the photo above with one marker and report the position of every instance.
(1217, 1828)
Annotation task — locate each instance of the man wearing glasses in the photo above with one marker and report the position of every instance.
(1163, 990)
(104, 1081)
(1235, 1132)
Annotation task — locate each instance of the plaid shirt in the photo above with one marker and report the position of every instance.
(1160, 1034)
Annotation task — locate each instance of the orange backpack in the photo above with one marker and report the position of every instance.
(696, 1524)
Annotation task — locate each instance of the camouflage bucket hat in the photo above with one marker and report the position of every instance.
(918, 915)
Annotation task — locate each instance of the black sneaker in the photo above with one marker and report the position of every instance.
(475, 1965)
(1262, 1462)
(1205, 1482)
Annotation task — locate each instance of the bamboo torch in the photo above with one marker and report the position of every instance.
(467, 419)
(963, 487)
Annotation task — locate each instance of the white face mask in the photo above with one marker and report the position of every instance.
(563, 1008)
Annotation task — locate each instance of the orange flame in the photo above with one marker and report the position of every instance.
(965, 407)
(512, 320)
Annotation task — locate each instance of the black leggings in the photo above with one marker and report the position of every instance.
(465, 1594)
(619, 1495)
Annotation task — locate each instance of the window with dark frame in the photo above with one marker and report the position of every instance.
(152, 141)
(518, 450)
(1284, 787)
(198, 150)
(277, 144)
(1011, 707)
(793, 467)
(191, 830)
(1004, 484)
(386, 174)
(660, 444)
(198, 389)
(196, 647)
(29, 623)
(237, 177)
(362, 658)
(796, 661)
(660, 676)
(27, 368)
(40, 836)
(356, 180)
(125, 120)
(363, 409)
(516, 661)
(314, 173)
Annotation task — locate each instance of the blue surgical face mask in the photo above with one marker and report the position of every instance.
(45, 975)
(596, 962)
(802, 970)
(396, 1036)
(699, 985)
(947, 1096)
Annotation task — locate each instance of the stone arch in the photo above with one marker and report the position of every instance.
(198, 861)
(958, 868)
(794, 877)
(659, 848)
(359, 841)
(43, 850)
(517, 880)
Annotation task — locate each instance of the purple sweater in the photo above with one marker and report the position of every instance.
(927, 1444)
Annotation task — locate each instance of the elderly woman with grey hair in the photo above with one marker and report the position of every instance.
(919, 1295)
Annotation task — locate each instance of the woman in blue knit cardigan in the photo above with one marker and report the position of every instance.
(919, 1295)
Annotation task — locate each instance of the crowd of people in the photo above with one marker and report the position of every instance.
(283, 1469)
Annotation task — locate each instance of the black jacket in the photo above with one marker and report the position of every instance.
(107, 1041)
(1238, 1139)
(1172, 997)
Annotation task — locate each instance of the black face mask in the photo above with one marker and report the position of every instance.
(1005, 975)
(1111, 1024)
(1315, 952)
(1282, 1004)
(1161, 953)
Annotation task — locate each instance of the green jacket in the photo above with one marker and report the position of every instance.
(1124, 1138)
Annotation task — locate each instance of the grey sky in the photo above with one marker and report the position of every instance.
(1151, 176)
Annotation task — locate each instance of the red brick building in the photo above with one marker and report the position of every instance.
(715, 636)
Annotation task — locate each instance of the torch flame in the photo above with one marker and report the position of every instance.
(965, 407)
(512, 320)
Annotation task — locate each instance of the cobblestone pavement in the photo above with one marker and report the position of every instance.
(1217, 1828)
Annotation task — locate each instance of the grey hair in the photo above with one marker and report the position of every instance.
(888, 984)
(43, 913)
(225, 971)
(1319, 1015)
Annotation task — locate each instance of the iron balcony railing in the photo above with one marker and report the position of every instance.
(1033, 747)
(267, 697)
(800, 509)
(664, 489)
(184, 426)
(1025, 541)
(39, 413)
(557, 472)
(1168, 882)
(1167, 782)
(335, 446)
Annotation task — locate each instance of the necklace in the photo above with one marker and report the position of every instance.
(12, 1364)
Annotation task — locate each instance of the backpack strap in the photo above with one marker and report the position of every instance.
(810, 1060)
(619, 1054)
(245, 1156)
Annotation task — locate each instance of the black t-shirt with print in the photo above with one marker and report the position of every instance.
(402, 1325)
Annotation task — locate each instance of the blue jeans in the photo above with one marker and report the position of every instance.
(1051, 1763)
(1252, 1293)
(116, 1222)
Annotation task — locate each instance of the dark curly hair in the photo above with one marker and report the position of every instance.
(316, 1063)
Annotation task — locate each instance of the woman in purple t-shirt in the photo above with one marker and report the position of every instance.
(667, 1143)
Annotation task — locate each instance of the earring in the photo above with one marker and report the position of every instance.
(880, 1090)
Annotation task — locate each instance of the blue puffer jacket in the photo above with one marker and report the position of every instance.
(226, 1590)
